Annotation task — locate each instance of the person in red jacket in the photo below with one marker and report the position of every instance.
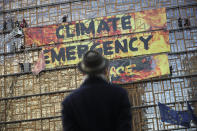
(97, 105)
(23, 24)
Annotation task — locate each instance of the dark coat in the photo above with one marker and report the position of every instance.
(97, 106)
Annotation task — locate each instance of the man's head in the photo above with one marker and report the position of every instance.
(93, 63)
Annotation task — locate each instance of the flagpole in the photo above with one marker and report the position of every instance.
(177, 128)
(153, 105)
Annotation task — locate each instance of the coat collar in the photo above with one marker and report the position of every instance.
(96, 78)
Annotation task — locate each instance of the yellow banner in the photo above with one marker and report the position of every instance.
(95, 28)
(111, 48)
(138, 68)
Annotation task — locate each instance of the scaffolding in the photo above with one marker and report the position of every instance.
(29, 102)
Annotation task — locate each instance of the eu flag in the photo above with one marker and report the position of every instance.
(174, 117)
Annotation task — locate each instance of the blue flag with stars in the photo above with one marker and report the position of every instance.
(174, 117)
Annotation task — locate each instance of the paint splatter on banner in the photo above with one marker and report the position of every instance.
(138, 68)
(111, 48)
(98, 27)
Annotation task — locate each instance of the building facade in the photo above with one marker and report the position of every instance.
(30, 102)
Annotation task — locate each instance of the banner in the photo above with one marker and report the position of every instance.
(98, 27)
(117, 47)
(40, 64)
(138, 68)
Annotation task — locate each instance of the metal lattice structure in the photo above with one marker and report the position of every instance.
(29, 102)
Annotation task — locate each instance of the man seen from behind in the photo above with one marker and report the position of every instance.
(97, 105)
